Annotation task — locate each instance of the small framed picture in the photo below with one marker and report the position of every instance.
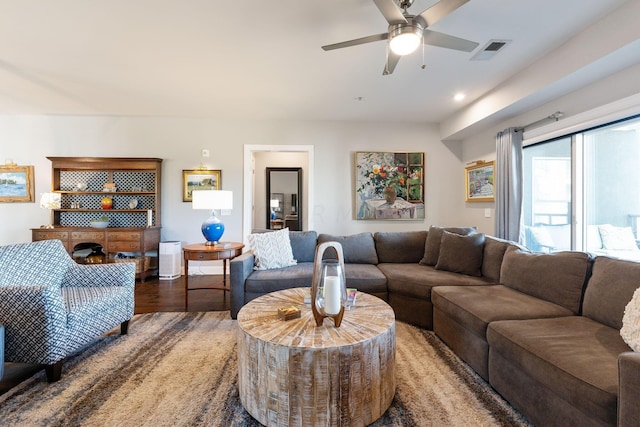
(480, 182)
(199, 179)
(16, 184)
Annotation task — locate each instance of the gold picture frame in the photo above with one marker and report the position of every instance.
(199, 179)
(480, 182)
(16, 184)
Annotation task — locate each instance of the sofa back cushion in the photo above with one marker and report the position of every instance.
(461, 254)
(610, 289)
(557, 277)
(303, 245)
(41, 263)
(494, 250)
(357, 248)
(432, 243)
(400, 246)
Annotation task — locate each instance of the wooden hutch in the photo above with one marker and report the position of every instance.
(134, 218)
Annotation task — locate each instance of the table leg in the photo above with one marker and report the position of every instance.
(186, 283)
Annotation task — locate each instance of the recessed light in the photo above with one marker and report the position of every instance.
(458, 96)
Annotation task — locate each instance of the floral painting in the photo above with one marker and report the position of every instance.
(389, 185)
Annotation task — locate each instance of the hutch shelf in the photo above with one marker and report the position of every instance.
(132, 184)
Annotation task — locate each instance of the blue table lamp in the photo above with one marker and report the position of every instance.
(212, 227)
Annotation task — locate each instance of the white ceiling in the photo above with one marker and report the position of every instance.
(262, 59)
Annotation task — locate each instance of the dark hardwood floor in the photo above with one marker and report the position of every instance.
(155, 295)
(152, 296)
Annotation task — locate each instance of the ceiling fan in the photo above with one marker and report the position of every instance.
(406, 31)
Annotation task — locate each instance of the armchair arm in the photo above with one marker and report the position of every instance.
(628, 389)
(239, 269)
(35, 322)
(114, 274)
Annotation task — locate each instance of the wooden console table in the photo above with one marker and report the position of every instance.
(294, 373)
(200, 252)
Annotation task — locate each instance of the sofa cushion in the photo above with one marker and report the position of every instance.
(303, 245)
(476, 306)
(365, 277)
(494, 250)
(264, 281)
(416, 281)
(461, 254)
(271, 250)
(610, 289)
(400, 246)
(432, 242)
(617, 238)
(558, 277)
(574, 356)
(357, 248)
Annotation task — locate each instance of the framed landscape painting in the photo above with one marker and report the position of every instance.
(479, 182)
(389, 185)
(199, 179)
(16, 184)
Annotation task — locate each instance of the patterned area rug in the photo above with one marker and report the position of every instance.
(179, 369)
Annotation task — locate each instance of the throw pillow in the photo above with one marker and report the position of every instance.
(461, 254)
(630, 331)
(432, 243)
(271, 250)
(617, 238)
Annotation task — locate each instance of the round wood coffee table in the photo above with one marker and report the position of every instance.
(294, 373)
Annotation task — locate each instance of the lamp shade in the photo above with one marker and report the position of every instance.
(212, 228)
(212, 199)
(50, 201)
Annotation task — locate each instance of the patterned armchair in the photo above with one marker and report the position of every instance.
(52, 307)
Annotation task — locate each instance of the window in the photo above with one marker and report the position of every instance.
(581, 192)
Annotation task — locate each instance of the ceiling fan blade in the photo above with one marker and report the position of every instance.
(356, 42)
(391, 12)
(392, 61)
(435, 38)
(439, 11)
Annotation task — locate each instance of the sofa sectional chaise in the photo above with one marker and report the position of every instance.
(543, 329)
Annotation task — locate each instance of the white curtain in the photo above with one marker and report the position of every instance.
(509, 184)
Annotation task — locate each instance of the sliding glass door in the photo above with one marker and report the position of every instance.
(582, 192)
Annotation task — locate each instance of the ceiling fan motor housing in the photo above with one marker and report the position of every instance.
(408, 34)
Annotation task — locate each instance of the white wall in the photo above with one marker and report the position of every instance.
(29, 139)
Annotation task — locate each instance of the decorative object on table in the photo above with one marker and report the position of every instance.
(106, 202)
(352, 293)
(288, 313)
(50, 201)
(212, 227)
(133, 203)
(389, 185)
(199, 179)
(328, 285)
(16, 183)
(479, 181)
(102, 222)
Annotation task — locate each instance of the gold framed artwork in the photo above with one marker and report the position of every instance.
(16, 184)
(480, 182)
(389, 185)
(199, 179)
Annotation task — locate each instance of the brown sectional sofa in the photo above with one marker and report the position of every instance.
(542, 329)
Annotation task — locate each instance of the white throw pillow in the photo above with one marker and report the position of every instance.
(617, 238)
(272, 249)
(630, 331)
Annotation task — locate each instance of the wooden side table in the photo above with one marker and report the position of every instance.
(200, 252)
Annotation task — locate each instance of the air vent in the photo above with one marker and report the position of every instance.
(490, 49)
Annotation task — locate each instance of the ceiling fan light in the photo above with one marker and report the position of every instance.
(405, 39)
